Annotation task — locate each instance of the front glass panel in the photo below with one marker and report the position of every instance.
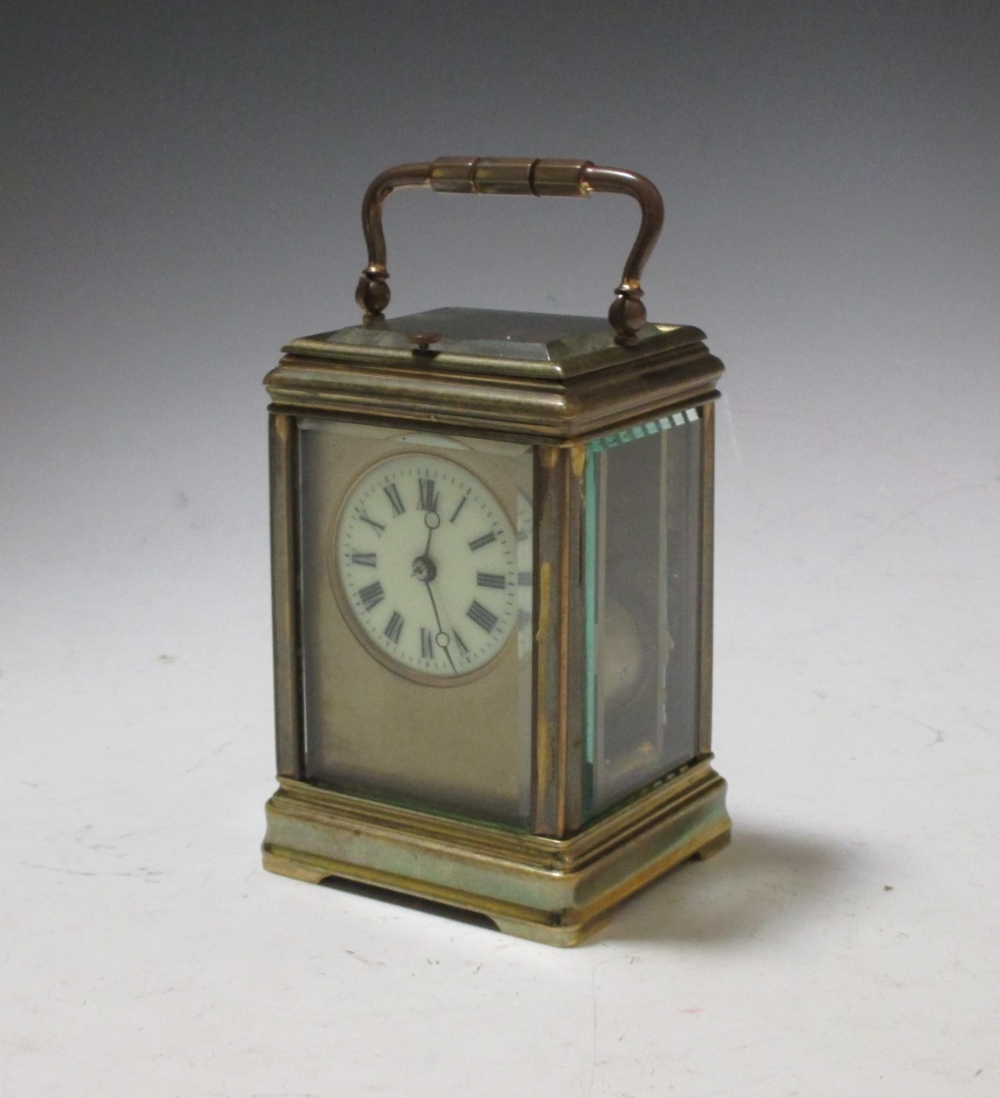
(642, 587)
(416, 591)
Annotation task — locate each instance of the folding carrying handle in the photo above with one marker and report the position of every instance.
(514, 175)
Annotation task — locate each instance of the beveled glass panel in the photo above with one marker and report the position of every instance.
(416, 598)
(642, 589)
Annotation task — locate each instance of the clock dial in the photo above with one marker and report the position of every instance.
(426, 567)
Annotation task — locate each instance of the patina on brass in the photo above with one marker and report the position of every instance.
(551, 384)
(554, 891)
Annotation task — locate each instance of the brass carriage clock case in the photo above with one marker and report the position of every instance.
(492, 554)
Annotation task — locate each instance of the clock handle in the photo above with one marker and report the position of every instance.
(514, 175)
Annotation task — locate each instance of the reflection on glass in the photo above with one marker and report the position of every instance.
(417, 652)
(642, 577)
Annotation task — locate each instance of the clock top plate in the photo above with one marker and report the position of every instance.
(500, 341)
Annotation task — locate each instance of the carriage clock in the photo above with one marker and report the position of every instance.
(492, 555)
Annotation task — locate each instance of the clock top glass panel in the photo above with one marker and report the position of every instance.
(501, 342)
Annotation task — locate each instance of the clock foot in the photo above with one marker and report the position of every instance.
(714, 846)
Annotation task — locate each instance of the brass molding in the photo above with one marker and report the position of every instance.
(520, 408)
(549, 890)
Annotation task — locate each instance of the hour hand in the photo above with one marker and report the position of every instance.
(432, 520)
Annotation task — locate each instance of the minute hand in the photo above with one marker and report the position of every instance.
(432, 520)
(441, 632)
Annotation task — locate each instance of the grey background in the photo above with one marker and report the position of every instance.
(180, 193)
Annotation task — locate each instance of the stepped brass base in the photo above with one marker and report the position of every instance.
(555, 891)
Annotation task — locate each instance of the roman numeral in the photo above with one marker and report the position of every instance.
(371, 595)
(490, 579)
(426, 643)
(481, 616)
(483, 539)
(458, 509)
(376, 526)
(428, 497)
(394, 627)
(394, 498)
(365, 559)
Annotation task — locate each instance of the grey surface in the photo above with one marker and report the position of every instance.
(180, 192)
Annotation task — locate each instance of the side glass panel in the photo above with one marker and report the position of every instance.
(642, 578)
(416, 597)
